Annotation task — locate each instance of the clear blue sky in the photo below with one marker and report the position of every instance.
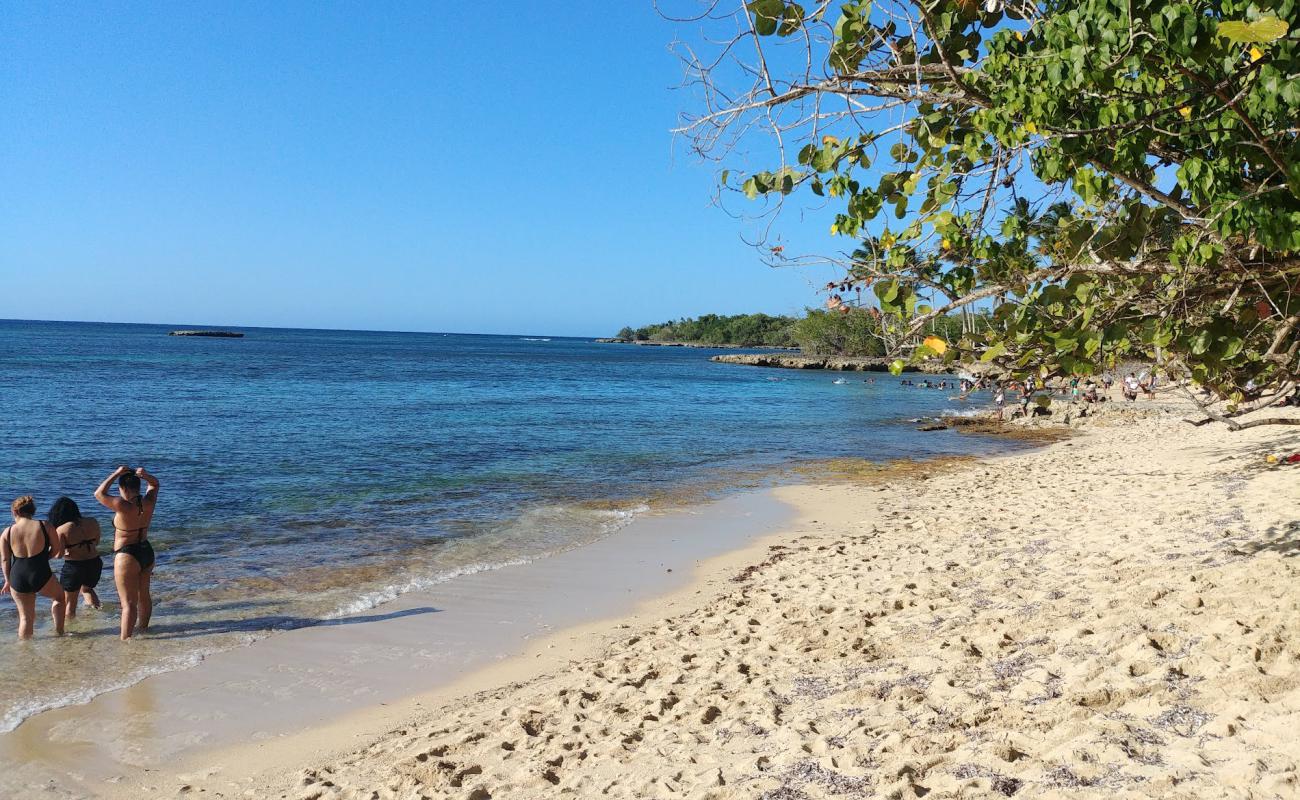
(500, 168)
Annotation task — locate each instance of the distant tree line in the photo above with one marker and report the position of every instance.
(740, 330)
(841, 332)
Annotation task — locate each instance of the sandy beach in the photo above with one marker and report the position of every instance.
(1113, 615)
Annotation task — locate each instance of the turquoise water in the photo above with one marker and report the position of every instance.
(309, 474)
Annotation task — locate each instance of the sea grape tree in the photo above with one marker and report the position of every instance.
(1107, 179)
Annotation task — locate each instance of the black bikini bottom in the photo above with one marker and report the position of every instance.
(142, 552)
(81, 574)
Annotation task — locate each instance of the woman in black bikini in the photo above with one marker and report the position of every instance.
(82, 565)
(26, 548)
(132, 554)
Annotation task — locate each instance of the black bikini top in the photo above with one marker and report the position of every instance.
(84, 542)
(143, 533)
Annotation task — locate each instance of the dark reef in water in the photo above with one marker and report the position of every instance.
(213, 334)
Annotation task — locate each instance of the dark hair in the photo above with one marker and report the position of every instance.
(63, 511)
(24, 506)
(131, 483)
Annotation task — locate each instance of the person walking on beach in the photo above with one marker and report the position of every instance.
(999, 400)
(133, 556)
(26, 548)
(82, 564)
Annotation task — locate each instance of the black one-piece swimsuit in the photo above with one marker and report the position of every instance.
(29, 574)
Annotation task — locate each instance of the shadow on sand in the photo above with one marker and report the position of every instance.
(267, 623)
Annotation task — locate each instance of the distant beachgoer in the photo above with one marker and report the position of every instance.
(1130, 387)
(999, 400)
(82, 564)
(133, 555)
(26, 548)
(1149, 386)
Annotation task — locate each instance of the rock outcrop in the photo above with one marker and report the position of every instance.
(844, 363)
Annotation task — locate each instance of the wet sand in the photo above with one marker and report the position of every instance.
(295, 680)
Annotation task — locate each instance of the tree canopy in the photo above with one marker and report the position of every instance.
(743, 330)
(1107, 179)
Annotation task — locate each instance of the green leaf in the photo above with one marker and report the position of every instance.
(1264, 29)
(896, 366)
(767, 13)
(993, 352)
(791, 20)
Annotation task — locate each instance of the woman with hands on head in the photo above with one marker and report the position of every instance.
(133, 556)
(26, 548)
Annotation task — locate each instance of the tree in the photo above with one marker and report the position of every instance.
(1110, 180)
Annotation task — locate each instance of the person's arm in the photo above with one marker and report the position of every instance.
(6, 555)
(151, 493)
(58, 545)
(101, 494)
(61, 538)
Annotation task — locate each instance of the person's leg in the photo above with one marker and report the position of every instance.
(54, 591)
(92, 599)
(70, 600)
(145, 599)
(126, 574)
(26, 613)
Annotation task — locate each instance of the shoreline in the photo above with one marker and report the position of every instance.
(446, 635)
(1008, 627)
(834, 363)
(836, 650)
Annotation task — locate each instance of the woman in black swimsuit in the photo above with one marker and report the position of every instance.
(132, 554)
(82, 565)
(26, 548)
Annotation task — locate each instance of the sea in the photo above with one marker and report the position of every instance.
(312, 474)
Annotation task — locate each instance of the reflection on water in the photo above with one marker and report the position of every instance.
(311, 475)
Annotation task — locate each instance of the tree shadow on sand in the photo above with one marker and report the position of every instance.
(1281, 539)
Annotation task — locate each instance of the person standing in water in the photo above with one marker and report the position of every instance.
(133, 556)
(82, 564)
(26, 548)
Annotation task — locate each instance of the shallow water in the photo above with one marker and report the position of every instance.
(311, 474)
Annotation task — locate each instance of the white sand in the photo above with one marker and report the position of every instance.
(1114, 616)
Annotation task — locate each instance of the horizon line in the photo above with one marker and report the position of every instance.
(192, 326)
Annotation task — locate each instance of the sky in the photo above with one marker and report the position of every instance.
(432, 166)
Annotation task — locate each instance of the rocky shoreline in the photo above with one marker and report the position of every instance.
(842, 363)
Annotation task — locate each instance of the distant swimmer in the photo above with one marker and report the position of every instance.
(839, 381)
(133, 555)
(26, 548)
(82, 564)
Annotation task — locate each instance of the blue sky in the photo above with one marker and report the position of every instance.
(500, 168)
